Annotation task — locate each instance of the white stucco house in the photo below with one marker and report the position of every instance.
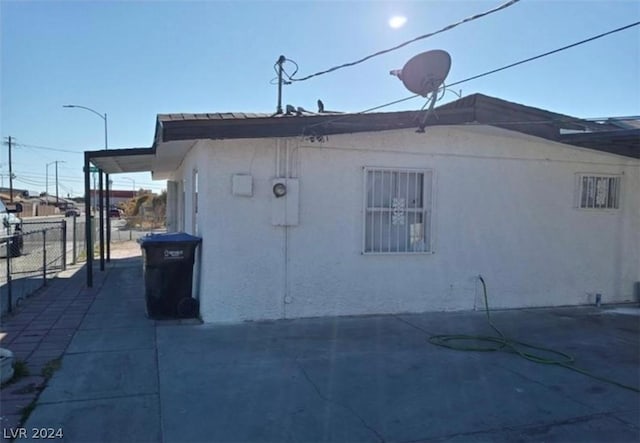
(324, 214)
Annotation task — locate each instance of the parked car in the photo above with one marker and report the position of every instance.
(11, 226)
(114, 213)
(72, 212)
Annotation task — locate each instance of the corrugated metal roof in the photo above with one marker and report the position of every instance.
(625, 122)
(211, 116)
(239, 115)
(473, 109)
(619, 135)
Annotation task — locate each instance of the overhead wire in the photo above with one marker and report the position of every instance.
(403, 44)
(40, 179)
(29, 182)
(37, 152)
(484, 74)
(48, 148)
(596, 37)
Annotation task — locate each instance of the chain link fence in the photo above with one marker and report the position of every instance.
(133, 227)
(48, 246)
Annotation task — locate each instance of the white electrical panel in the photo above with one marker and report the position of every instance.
(242, 185)
(285, 210)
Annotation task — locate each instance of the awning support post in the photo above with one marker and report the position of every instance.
(87, 218)
(101, 216)
(108, 205)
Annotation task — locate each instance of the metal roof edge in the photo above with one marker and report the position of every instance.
(121, 152)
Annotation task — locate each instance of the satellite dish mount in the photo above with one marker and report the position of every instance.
(424, 74)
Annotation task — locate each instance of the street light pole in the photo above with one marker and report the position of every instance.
(106, 147)
(106, 141)
(102, 116)
(134, 184)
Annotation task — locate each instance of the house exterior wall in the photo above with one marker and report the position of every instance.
(182, 202)
(172, 206)
(504, 206)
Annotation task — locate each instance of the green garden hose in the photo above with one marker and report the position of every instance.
(500, 342)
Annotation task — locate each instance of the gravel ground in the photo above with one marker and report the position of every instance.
(125, 249)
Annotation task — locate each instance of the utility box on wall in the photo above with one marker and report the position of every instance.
(285, 202)
(242, 185)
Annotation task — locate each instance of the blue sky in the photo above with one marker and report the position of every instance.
(135, 59)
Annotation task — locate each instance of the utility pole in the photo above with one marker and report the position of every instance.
(9, 140)
(57, 199)
(47, 180)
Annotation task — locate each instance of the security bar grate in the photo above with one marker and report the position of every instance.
(397, 211)
(599, 192)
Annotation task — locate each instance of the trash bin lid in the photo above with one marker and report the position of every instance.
(169, 237)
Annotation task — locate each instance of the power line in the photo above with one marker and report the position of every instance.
(401, 45)
(493, 71)
(39, 176)
(47, 148)
(604, 34)
(29, 182)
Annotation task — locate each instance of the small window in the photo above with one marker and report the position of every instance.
(598, 191)
(397, 211)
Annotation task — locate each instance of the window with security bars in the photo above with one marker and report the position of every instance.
(397, 211)
(599, 192)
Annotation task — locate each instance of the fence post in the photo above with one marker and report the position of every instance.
(9, 295)
(73, 236)
(44, 257)
(64, 245)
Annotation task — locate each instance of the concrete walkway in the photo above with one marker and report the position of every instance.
(127, 378)
(39, 333)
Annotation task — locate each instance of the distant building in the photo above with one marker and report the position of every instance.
(115, 196)
(17, 193)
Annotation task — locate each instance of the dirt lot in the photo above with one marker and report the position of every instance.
(125, 249)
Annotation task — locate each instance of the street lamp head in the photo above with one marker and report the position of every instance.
(102, 116)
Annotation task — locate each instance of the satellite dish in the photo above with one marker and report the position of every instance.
(425, 72)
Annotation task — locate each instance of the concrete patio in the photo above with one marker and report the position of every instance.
(127, 378)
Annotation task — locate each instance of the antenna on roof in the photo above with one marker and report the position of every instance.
(280, 62)
(423, 74)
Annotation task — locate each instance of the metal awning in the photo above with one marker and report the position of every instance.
(107, 162)
(116, 161)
